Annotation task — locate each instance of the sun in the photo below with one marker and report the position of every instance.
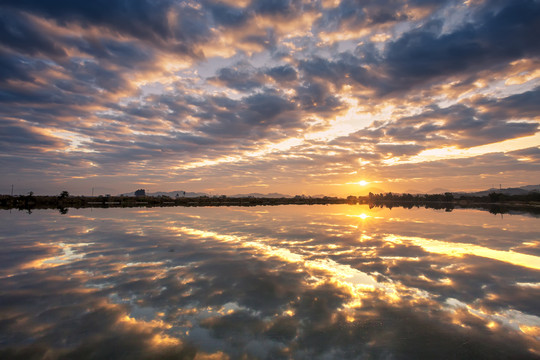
(362, 183)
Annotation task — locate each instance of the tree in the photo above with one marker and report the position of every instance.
(64, 194)
(494, 197)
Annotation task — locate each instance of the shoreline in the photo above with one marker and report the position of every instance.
(507, 204)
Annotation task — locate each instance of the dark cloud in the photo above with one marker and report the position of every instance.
(534, 153)
(283, 73)
(143, 19)
(266, 106)
(355, 14)
(399, 150)
(268, 40)
(346, 11)
(345, 69)
(241, 78)
(322, 68)
(457, 124)
(126, 54)
(275, 7)
(14, 66)
(93, 73)
(518, 106)
(424, 54)
(382, 16)
(21, 34)
(15, 135)
(317, 98)
(228, 16)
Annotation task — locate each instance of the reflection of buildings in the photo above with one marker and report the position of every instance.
(140, 192)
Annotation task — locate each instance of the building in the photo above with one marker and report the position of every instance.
(140, 192)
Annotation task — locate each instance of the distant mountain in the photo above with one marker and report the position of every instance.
(438, 191)
(259, 195)
(172, 194)
(523, 190)
(432, 191)
(413, 191)
(180, 193)
(374, 190)
(531, 187)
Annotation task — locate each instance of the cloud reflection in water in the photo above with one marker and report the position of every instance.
(297, 282)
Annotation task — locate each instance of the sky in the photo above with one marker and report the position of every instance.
(333, 97)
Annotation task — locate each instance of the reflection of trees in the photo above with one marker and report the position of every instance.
(408, 201)
(447, 201)
(496, 203)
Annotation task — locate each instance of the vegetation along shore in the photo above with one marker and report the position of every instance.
(493, 202)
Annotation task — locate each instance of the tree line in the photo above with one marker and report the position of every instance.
(494, 202)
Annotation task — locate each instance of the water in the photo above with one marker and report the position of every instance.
(286, 282)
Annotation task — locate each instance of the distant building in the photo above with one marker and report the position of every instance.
(140, 192)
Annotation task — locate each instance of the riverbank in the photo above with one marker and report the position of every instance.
(506, 204)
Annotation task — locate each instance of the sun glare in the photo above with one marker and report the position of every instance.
(362, 216)
(362, 183)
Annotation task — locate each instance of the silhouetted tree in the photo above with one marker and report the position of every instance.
(494, 197)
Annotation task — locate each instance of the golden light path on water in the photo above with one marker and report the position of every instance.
(465, 272)
(358, 284)
(461, 249)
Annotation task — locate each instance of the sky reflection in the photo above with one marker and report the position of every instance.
(298, 282)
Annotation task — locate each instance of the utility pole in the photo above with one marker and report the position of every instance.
(11, 189)
(92, 192)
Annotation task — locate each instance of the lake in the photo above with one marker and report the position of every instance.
(283, 282)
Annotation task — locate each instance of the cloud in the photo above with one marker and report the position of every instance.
(275, 7)
(21, 34)
(426, 54)
(16, 136)
(14, 67)
(351, 15)
(228, 16)
(254, 115)
(241, 77)
(517, 107)
(141, 19)
(317, 98)
(283, 73)
(317, 87)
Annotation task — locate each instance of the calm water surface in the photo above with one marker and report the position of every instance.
(287, 282)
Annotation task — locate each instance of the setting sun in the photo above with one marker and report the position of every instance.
(362, 183)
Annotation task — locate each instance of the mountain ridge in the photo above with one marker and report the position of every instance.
(522, 190)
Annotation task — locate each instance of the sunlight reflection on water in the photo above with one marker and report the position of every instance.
(298, 282)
